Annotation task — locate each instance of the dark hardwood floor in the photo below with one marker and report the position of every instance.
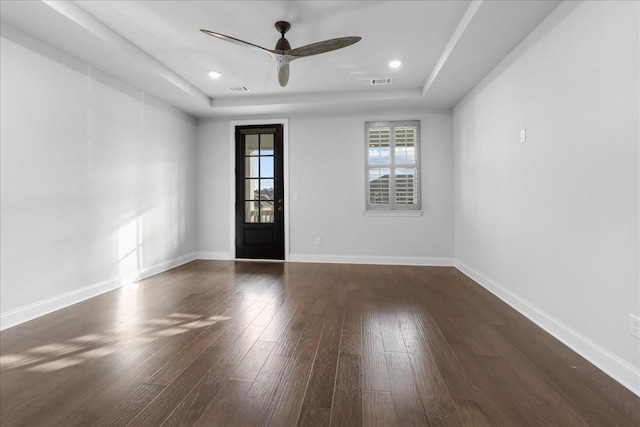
(216, 343)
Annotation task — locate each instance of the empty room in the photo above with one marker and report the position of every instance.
(320, 213)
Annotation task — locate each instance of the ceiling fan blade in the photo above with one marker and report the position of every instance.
(283, 74)
(238, 41)
(324, 46)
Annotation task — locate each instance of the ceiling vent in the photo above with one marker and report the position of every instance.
(239, 89)
(381, 81)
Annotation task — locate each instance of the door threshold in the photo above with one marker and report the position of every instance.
(260, 260)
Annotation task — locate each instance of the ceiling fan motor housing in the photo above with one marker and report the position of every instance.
(283, 44)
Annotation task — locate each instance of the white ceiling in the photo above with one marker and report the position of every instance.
(446, 48)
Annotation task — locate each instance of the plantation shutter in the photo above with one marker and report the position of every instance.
(393, 169)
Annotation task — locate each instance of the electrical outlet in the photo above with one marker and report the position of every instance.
(523, 135)
(175, 244)
(634, 325)
(318, 241)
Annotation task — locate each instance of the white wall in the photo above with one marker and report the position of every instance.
(326, 171)
(214, 174)
(552, 224)
(98, 182)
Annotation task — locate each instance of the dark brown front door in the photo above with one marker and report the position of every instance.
(259, 192)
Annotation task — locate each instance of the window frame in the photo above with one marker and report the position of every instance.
(393, 206)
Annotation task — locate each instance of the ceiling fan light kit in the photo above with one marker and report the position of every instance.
(283, 54)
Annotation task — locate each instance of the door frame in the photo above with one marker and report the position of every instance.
(232, 166)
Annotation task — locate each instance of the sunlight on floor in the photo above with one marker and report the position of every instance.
(13, 361)
(162, 322)
(56, 349)
(184, 316)
(57, 364)
(169, 332)
(198, 324)
(90, 338)
(81, 349)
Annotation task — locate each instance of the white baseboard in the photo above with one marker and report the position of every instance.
(168, 265)
(221, 256)
(616, 368)
(49, 305)
(380, 260)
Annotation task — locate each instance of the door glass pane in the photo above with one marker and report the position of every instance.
(379, 186)
(266, 212)
(251, 189)
(251, 145)
(406, 186)
(266, 144)
(266, 167)
(251, 167)
(251, 212)
(266, 189)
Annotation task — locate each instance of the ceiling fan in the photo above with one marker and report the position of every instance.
(283, 54)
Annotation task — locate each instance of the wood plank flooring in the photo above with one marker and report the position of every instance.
(220, 343)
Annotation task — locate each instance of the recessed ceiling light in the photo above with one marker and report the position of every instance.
(215, 74)
(395, 64)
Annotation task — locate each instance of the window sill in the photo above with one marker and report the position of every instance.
(398, 213)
